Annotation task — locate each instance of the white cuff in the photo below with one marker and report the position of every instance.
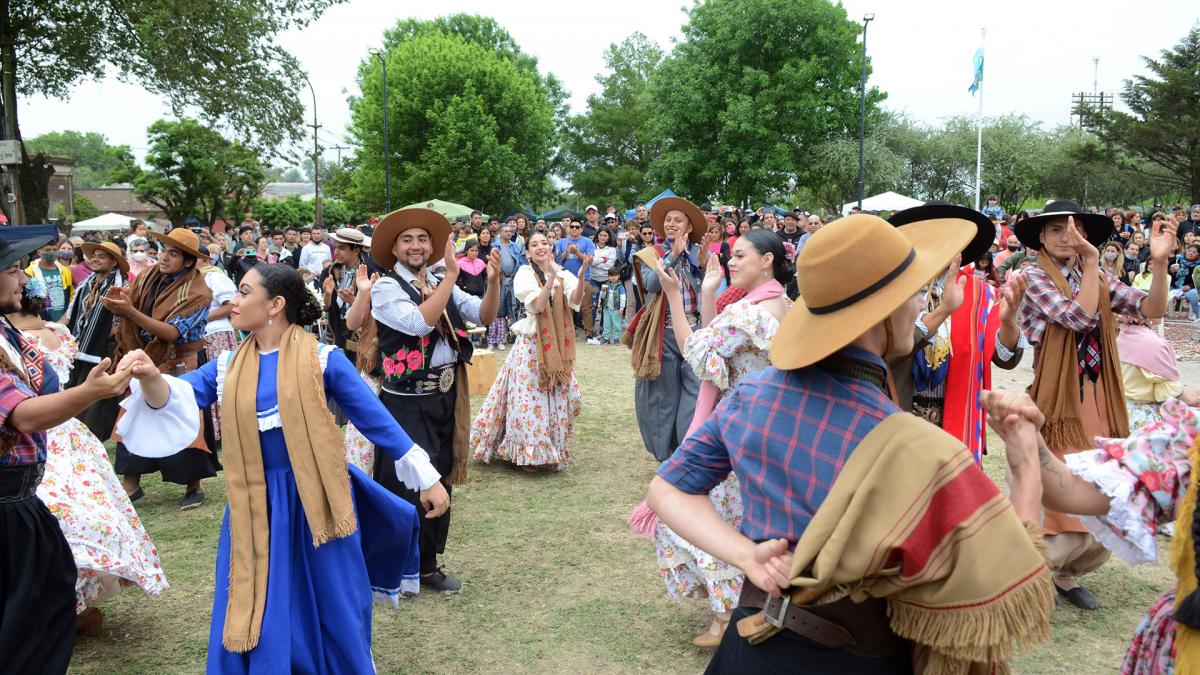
(415, 470)
(162, 432)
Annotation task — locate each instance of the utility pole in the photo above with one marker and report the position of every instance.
(8, 85)
(1095, 75)
(862, 110)
(339, 149)
(318, 214)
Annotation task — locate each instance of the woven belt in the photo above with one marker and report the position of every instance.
(423, 383)
(20, 483)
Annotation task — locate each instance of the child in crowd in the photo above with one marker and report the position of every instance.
(612, 302)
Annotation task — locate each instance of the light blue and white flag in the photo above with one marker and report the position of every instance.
(978, 71)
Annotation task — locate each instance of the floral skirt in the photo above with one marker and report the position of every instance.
(1152, 649)
(359, 451)
(689, 572)
(520, 422)
(109, 544)
(214, 345)
(1141, 413)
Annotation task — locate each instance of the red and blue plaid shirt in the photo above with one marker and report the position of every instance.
(1045, 304)
(28, 448)
(786, 434)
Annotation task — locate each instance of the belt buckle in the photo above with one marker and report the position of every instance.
(446, 380)
(777, 619)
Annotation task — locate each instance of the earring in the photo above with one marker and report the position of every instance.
(269, 321)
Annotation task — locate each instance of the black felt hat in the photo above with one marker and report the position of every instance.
(985, 231)
(1098, 226)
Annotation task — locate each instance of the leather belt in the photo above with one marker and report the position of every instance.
(423, 383)
(862, 628)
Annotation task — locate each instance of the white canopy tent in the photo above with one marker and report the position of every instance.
(888, 201)
(108, 222)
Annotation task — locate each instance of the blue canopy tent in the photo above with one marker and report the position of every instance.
(559, 213)
(631, 213)
(46, 233)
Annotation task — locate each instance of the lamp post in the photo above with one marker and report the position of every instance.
(387, 152)
(862, 109)
(318, 212)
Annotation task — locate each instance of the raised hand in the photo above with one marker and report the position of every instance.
(953, 285)
(451, 261)
(346, 295)
(1011, 296)
(585, 261)
(713, 275)
(1080, 244)
(666, 278)
(1162, 238)
(117, 301)
(103, 384)
(362, 281)
(493, 265)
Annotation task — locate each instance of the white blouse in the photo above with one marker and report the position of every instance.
(526, 289)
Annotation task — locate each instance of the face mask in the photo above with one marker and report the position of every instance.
(1014, 247)
(1110, 256)
(49, 257)
(65, 255)
(138, 255)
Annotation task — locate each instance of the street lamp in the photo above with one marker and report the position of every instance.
(387, 152)
(862, 108)
(318, 212)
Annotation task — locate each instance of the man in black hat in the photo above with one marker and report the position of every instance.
(1068, 316)
(37, 571)
(337, 283)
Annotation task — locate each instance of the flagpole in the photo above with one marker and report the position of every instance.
(979, 133)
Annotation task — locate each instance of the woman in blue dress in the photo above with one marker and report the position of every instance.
(324, 534)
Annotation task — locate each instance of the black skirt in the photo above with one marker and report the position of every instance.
(37, 580)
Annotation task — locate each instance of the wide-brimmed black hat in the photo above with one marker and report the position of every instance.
(1098, 226)
(14, 251)
(985, 231)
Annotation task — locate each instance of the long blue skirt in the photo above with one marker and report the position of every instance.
(318, 612)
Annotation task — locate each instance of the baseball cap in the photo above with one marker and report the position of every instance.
(591, 207)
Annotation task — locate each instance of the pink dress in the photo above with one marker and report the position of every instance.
(109, 544)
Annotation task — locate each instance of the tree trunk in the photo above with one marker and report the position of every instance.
(35, 186)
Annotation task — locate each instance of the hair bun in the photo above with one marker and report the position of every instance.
(309, 312)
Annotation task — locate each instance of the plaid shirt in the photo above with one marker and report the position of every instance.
(786, 434)
(28, 448)
(1045, 304)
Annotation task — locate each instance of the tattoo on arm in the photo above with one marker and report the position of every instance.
(1050, 465)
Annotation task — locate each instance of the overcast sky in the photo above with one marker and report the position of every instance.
(1038, 52)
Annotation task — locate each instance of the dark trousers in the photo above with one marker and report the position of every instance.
(37, 580)
(429, 422)
(100, 416)
(788, 652)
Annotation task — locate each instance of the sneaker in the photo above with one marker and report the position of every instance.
(441, 582)
(501, 347)
(593, 341)
(191, 500)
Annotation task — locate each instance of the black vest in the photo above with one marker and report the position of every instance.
(403, 356)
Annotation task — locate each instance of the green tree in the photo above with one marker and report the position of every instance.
(1161, 131)
(218, 59)
(276, 214)
(609, 148)
(466, 125)
(84, 208)
(740, 117)
(1081, 168)
(835, 182)
(194, 171)
(95, 159)
(935, 164)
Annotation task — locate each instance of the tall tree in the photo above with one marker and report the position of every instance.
(1162, 127)
(194, 171)
(218, 59)
(465, 125)
(740, 116)
(836, 182)
(609, 148)
(95, 159)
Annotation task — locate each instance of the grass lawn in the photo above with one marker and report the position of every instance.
(554, 579)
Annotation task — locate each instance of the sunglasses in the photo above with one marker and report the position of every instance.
(575, 227)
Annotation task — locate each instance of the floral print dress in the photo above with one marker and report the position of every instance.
(1146, 476)
(521, 421)
(359, 451)
(736, 343)
(109, 544)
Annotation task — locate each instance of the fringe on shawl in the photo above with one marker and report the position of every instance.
(1183, 561)
(983, 634)
(1065, 433)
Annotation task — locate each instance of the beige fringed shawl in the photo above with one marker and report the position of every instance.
(314, 445)
(912, 519)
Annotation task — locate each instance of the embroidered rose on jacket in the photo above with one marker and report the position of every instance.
(414, 359)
